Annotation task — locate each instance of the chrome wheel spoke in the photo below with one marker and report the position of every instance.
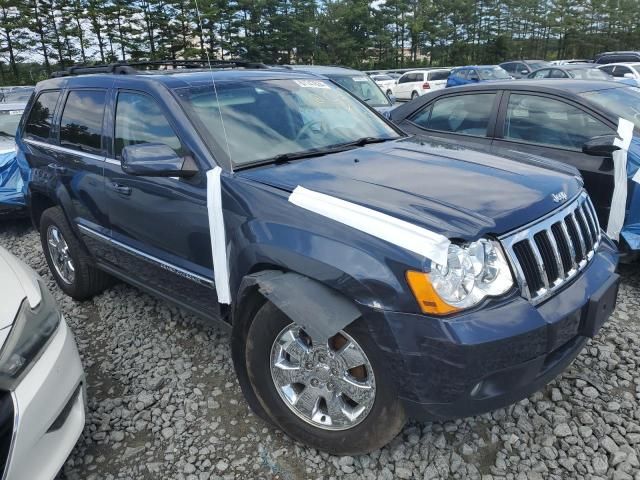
(286, 374)
(60, 255)
(292, 344)
(351, 355)
(359, 392)
(308, 401)
(336, 409)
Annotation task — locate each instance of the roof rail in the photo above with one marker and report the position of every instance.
(132, 68)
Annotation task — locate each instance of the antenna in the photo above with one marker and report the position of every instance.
(215, 90)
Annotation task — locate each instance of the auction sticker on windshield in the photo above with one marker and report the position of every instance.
(312, 84)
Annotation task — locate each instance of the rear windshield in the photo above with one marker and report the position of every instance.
(258, 120)
(537, 65)
(382, 77)
(588, 74)
(493, 73)
(362, 87)
(443, 75)
(623, 102)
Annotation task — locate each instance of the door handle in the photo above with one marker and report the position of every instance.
(57, 168)
(121, 189)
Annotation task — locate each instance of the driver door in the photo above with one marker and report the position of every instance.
(159, 225)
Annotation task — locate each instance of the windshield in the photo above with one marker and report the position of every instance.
(493, 73)
(623, 102)
(264, 119)
(537, 65)
(362, 87)
(9, 120)
(588, 74)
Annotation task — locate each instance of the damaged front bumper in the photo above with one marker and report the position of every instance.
(488, 358)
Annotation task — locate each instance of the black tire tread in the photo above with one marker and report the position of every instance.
(89, 280)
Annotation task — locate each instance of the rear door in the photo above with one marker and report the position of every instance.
(556, 128)
(466, 119)
(79, 160)
(159, 225)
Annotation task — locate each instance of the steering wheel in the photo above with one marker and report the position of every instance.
(307, 127)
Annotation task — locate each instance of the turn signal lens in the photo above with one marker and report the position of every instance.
(429, 301)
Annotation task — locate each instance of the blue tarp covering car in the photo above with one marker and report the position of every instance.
(14, 170)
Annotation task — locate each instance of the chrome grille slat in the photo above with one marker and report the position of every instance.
(536, 252)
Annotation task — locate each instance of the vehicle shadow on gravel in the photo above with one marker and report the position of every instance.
(164, 403)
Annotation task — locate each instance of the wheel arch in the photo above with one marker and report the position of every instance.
(296, 295)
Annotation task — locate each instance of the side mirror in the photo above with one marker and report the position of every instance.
(629, 75)
(600, 146)
(156, 160)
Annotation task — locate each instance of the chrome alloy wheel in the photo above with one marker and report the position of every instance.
(327, 383)
(60, 256)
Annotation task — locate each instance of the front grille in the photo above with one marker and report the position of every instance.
(549, 253)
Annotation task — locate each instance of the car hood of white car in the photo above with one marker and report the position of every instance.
(17, 281)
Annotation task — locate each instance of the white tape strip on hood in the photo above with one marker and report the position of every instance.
(619, 199)
(404, 234)
(218, 236)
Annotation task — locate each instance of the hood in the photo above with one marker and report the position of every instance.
(17, 282)
(448, 189)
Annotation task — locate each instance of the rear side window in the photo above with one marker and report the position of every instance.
(466, 114)
(546, 121)
(41, 115)
(139, 119)
(81, 122)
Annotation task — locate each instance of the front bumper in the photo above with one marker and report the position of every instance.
(491, 357)
(49, 411)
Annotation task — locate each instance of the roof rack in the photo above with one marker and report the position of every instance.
(132, 68)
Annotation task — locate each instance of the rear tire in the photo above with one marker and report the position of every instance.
(389, 93)
(383, 416)
(68, 262)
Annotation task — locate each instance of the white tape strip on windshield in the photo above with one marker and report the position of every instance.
(404, 234)
(619, 199)
(218, 237)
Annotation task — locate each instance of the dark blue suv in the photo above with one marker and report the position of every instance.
(367, 276)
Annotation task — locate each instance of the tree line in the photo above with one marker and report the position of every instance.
(41, 36)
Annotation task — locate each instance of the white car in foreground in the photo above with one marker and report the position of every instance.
(42, 396)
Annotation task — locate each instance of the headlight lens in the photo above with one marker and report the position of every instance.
(473, 272)
(29, 333)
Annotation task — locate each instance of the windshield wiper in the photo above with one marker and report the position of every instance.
(317, 152)
(5, 134)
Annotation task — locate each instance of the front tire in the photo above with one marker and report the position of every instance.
(334, 395)
(70, 265)
(414, 95)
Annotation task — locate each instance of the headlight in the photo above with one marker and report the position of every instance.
(29, 333)
(472, 272)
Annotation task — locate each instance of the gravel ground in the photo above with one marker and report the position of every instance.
(164, 403)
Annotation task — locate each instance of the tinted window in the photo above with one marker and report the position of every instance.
(473, 75)
(81, 123)
(541, 73)
(555, 73)
(493, 73)
(438, 75)
(41, 116)
(468, 114)
(628, 58)
(609, 69)
(550, 122)
(404, 78)
(509, 67)
(139, 119)
(620, 70)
